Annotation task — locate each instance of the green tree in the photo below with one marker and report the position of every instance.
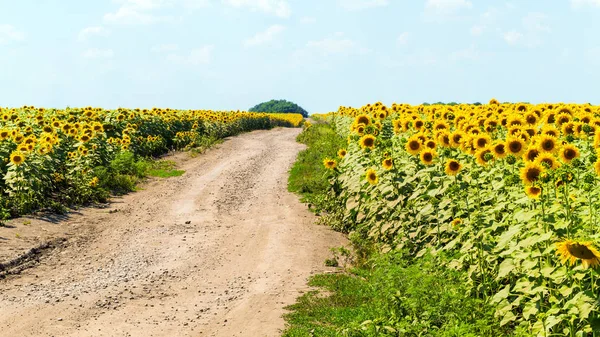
(281, 106)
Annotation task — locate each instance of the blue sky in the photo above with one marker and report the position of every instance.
(232, 54)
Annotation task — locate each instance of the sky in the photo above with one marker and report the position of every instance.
(321, 54)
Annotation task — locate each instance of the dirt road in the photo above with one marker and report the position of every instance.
(218, 251)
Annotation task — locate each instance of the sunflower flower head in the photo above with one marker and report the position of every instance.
(367, 141)
(371, 176)
(571, 251)
(387, 164)
(531, 173)
(452, 167)
(329, 164)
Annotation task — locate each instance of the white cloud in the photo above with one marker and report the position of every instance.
(469, 54)
(338, 44)
(131, 16)
(164, 48)
(307, 20)
(582, 3)
(195, 4)
(138, 12)
(357, 5)
(279, 8)
(536, 22)
(446, 7)
(95, 53)
(264, 37)
(512, 37)
(534, 27)
(9, 33)
(90, 31)
(477, 30)
(196, 57)
(403, 38)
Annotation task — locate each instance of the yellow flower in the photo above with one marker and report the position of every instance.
(570, 251)
(17, 158)
(427, 156)
(531, 153)
(548, 159)
(387, 163)
(342, 153)
(499, 149)
(533, 192)
(531, 173)
(414, 146)
(452, 167)
(516, 146)
(548, 143)
(329, 163)
(94, 182)
(367, 141)
(568, 153)
(456, 223)
(481, 156)
(371, 176)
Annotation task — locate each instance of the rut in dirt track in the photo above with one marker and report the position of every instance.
(219, 251)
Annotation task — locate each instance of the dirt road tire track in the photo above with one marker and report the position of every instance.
(219, 251)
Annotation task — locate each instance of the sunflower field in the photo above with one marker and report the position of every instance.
(509, 192)
(52, 158)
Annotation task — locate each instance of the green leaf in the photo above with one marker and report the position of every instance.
(508, 317)
(502, 294)
(505, 268)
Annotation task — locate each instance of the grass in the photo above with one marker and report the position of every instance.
(308, 176)
(391, 298)
(164, 169)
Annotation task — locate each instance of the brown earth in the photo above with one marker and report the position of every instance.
(219, 251)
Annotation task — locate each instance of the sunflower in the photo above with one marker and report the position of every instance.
(550, 131)
(4, 134)
(515, 146)
(363, 119)
(329, 163)
(570, 251)
(387, 163)
(94, 182)
(456, 138)
(367, 141)
(482, 141)
(452, 167)
(499, 149)
(456, 223)
(531, 173)
(531, 153)
(568, 153)
(414, 146)
(371, 176)
(397, 126)
(597, 166)
(427, 156)
(548, 160)
(483, 156)
(17, 158)
(533, 192)
(548, 143)
(342, 153)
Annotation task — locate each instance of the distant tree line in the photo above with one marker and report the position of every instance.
(281, 106)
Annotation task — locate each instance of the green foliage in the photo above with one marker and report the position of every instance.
(390, 297)
(279, 106)
(308, 176)
(164, 169)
